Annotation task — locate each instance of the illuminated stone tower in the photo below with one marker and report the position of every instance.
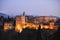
(18, 27)
(23, 19)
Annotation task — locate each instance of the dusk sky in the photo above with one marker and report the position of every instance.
(31, 7)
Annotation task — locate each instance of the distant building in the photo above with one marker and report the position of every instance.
(51, 25)
(47, 19)
(55, 19)
(8, 26)
(39, 19)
